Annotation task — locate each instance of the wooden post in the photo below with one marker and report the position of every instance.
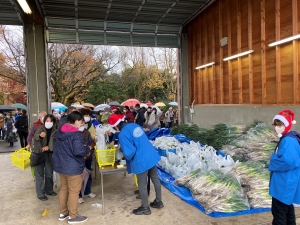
(206, 72)
(295, 51)
(250, 57)
(213, 58)
(239, 46)
(229, 51)
(278, 62)
(263, 52)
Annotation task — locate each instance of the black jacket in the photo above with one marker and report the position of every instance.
(22, 123)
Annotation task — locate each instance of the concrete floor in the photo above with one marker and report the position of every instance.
(19, 204)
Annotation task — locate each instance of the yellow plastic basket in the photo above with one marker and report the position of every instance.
(20, 158)
(106, 157)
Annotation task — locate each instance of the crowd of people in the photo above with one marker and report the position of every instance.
(67, 140)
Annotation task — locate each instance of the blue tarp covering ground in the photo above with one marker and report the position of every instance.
(185, 194)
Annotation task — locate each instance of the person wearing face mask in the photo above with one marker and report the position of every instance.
(285, 170)
(169, 117)
(43, 143)
(70, 149)
(129, 118)
(34, 127)
(89, 139)
(150, 119)
(141, 159)
(140, 117)
(99, 116)
(105, 116)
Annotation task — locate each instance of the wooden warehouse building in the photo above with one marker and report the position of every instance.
(256, 85)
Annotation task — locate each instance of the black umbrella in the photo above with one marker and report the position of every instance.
(114, 103)
(6, 108)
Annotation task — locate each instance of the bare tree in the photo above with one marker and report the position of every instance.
(12, 48)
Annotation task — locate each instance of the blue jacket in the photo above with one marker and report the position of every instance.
(138, 151)
(285, 170)
(69, 151)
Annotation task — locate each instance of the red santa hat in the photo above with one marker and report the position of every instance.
(115, 119)
(287, 117)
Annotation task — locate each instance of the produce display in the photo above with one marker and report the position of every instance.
(233, 183)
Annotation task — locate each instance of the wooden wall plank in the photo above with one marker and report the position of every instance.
(263, 51)
(286, 52)
(221, 92)
(250, 55)
(295, 52)
(278, 66)
(239, 47)
(229, 52)
(213, 57)
(199, 50)
(206, 76)
(270, 54)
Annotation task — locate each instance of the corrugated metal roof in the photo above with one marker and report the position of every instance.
(8, 13)
(114, 22)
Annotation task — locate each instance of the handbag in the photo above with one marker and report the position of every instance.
(37, 158)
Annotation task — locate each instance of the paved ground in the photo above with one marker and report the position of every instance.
(19, 204)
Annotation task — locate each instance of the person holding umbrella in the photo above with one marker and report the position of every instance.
(9, 125)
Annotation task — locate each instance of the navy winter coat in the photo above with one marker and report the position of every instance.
(69, 151)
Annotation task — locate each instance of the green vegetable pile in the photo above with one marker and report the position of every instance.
(221, 134)
(218, 192)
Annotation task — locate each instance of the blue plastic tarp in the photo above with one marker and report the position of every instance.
(184, 193)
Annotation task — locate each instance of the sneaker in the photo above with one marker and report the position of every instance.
(63, 217)
(138, 196)
(77, 219)
(136, 192)
(142, 211)
(80, 200)
(156, 204)
(91, 195)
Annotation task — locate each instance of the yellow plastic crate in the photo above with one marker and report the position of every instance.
(20, 158)
(106, 157)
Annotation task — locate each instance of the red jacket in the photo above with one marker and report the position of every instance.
(129, 116)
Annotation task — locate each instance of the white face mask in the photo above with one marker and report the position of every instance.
(42, 119)
(279, 130)
(8, 117)
(105, 112)
(81, 128)
(101, 113)
(48, 125)
(87, 119)
(124, 110)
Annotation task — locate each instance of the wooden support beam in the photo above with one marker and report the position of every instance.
(221, 75)
(295, 52)
(229, 52)
(263, 52)
(250, 47)
(239, 45)
(278, 61)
